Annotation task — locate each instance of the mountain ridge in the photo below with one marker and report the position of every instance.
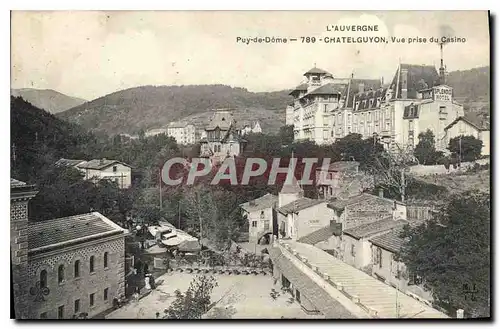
(50, 100)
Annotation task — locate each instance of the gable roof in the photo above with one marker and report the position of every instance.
(340, 204)
(301, 87)
(266, 201)
(300, 204)
(317, 236)
(68, 162)
(100, 164)
(369, 229)
(474, 121)
(316, 70)
(57, 232)
(327, 89)
(221, 119)
(16, 183)
(419, 77)
(389, 241)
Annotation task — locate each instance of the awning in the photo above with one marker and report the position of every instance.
(174, 241)
(189, 246)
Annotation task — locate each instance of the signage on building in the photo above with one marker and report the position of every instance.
(442, 93)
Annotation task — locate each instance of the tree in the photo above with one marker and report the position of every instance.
(425, 151)
(286, 135)
(195, 301)
(451, 253)
(354, 147)
(390, 170)
(466, 148)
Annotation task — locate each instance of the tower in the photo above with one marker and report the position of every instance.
(442, 69)
(20, 194)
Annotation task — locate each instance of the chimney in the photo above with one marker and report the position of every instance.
(442, 77)
(381, 192)
(404, 83)
(460, 314)
(102, 161)
(361, 87)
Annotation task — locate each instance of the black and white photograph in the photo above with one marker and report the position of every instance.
(286, 165)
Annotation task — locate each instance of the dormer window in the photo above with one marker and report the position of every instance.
(357, 105)
(371, 103)
(378, 101)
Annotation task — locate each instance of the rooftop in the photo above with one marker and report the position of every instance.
(389, 241)
(371, 292)
(221, 119)
(301, 87)
(340, 204)
(316, 70)
(317, 236)
(266, 201)
(419, 77)
(68, 162)
(473, 120)
(69, 230)
(99, 164)
(328, 89)
(300, 204)
(369, 229)
(16, 183)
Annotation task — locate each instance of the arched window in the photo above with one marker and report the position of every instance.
(43, 279)
(60, 274)
(105, 259)
(77, 269)
(91, 264)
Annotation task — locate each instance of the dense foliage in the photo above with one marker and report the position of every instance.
(425, 151)
(451, 253)
(466, 148)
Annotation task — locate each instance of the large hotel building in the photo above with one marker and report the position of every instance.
(327, 108)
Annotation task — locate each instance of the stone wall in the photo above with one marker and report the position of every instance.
(79, 288)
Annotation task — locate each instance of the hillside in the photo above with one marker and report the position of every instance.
(472, 88)
(146, 107)
(47, 99)
(38, 139)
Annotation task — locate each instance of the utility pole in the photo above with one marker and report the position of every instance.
(460, 151)
(161, 197)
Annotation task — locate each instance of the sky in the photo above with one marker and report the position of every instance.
(89, 54)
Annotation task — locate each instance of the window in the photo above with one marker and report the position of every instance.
(77, 269)
(43, 315)
(326, 108)
(254, 223)
(43, 279)
(262, 214)
(105, 259)
(410, 125)
(357, 106)
(105, 297)
(371, 103)
(60, 312)
(115, 168)
(77, 306)
(379, 257)
(91, 302)
(60, 274)
(91, 265)
(349, 118)
(353, 250)
(266, 225)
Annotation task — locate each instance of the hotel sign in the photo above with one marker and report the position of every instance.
(442, 93)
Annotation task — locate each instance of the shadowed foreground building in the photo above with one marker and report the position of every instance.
(63, 267)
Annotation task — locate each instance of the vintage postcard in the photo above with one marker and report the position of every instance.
(250, 165)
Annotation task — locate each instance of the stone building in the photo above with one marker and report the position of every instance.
(222, 137)
(416, 100)
(64, 267)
